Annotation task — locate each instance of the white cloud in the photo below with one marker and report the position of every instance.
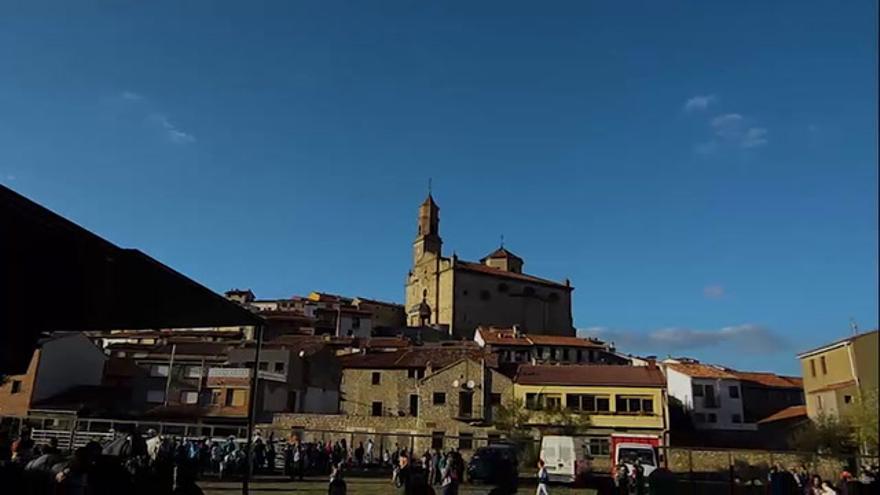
(174, 133)
(747, 337)
(713, 291)
(755, 136)
(698, 103)
(131, 96)
(726, 122)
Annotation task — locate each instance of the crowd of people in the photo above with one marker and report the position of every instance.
(134, 464)
(798, 480)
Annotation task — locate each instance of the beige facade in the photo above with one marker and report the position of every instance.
(462, 295)
(459, 400)
(835, 375)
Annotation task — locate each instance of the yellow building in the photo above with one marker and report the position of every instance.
(617, 399)
(836, 374)
(462, 295)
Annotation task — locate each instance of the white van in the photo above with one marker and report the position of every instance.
(564, 457)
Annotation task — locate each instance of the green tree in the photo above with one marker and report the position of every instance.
(826, 435)
(863, 419)
(513, 419)
(567, 421)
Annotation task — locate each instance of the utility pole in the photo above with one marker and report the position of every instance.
(170, 372)
(252, 413)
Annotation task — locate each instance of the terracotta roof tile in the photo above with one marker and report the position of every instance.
(770, 379)
(437, 357)
(833, 386)
(497, 272)
(787, 413)
(561, 340)
(696, 370)
(590, 374)
(501, 253)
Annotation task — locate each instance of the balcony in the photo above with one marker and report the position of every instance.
(240, 377)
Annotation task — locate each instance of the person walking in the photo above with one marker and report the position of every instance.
(543, 479)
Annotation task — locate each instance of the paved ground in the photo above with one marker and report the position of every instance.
(356, 486)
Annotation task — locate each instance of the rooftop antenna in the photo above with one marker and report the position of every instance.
(429, 186)
(853, 325)
(502, 241)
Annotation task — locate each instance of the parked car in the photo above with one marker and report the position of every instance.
(494, 464)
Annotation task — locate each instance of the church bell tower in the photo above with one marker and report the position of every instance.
(428, 240)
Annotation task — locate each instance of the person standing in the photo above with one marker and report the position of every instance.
(543, 479)
(369, 452)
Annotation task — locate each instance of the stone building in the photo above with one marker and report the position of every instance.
(425, 397)
(462, 295)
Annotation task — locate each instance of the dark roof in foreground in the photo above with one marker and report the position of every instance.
(791, 412)
(417, 357)
(92, 283)
(590, 375)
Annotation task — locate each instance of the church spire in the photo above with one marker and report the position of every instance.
(428, 237)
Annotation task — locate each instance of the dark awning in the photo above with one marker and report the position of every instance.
(56, 275)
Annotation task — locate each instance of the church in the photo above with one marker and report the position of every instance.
(460, 295)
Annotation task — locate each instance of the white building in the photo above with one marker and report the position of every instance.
(710, 394)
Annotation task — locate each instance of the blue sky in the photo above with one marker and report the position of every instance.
(704, 172)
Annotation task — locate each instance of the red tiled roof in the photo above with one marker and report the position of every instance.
(562, 340)
(696, 370)
(833, 386)
(590, 375)
(376, 342)
(378, 303)
(501, 253)
(787, 413)
(770, 379)
(502, 336)
(437, 357)
(497, 272)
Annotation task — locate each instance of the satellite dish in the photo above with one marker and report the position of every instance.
(470, 384)
(455, 383)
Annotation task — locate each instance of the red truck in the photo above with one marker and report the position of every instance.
(627, 448)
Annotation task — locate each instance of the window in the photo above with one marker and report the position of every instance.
(16, 387)
(439, 398)
(733, 391)
(699, 418)
(437, 440)
(580, 355)
(465, 441)
(539, 351)
(698, 390)
(465, 404)
(532, 402)
(710, 400)
(565, 354)
(155, 396)
(356, 322)
(824, 367)
(215, 397)
(414, 405)
(847, 399)
(736, 418)
(598, 446)
(813, 367)
(264, 366)
(193, 372)
(377, 378)
(553, 402)
(819, 402)
(587, 402)
(415, 373)
(634, 405)
(236, 398)
(377, 409)
(189, 397)
(712, 418)
(159, 370)
(495, 399)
